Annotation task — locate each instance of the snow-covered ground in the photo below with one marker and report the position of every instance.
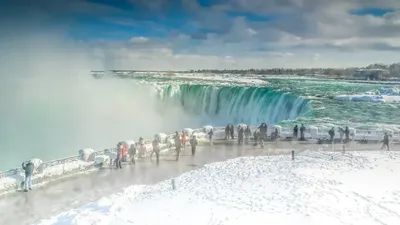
(317, 188)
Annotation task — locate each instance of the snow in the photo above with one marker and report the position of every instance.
(36, 162)
(59, 169)
(85, 154)
(50, 173)
(161, 136)
(188, 131)
(227, 77)
(350, 189)
(207, 128)
(102, 160)
(368, 98)
(10, 180)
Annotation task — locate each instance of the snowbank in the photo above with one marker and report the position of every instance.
(161, 137)
(102, 160)
(275, 189)
(188, 131)
(49, 173)
(36, 162)
(207, 129)
(86, 154)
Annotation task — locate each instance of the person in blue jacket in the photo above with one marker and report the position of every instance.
(28, 168)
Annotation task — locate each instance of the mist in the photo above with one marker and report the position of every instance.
(51, 106)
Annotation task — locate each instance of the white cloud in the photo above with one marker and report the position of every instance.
(291, 40)
(139, 40)
(282, 54)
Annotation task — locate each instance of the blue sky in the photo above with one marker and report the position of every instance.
(245, 32)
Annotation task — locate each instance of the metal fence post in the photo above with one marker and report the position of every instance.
(173, 184)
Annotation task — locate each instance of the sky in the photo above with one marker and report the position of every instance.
(197, 34)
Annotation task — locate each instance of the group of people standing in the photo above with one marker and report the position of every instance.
(296, 132)
(123, 150)
(140, 148)
(244, 133)
(342, 132)
(181, 142)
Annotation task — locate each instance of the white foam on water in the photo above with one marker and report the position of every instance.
(355, 188)
(369, 98)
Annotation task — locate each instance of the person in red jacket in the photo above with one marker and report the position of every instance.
(183, 139)
(124, 152)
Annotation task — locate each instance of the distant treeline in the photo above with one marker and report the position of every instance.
(392, 70)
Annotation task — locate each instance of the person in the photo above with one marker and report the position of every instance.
(142, 147)
(295, 132)
(194, 142)
(263, 132)
(156, 149)
(302, 130)
(132, 153)
(118, 159)
(256, 135)
(227, 132)
(275, 134)
(178, 145)
(386, 142)
(331, 133)
(183, 139)
(247, 134)
(341, 133)
(347, 134)
(232, 131)
(240, 135)
(210, 135)
(124, 153)
(28, 168)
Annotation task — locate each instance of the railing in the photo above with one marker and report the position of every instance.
(63, 161)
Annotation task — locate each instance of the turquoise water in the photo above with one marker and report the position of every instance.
(40, 118)
(285, 102)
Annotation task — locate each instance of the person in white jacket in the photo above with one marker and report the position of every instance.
(194, 142)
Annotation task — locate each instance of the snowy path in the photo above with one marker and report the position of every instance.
(351, 189)
(26, 208)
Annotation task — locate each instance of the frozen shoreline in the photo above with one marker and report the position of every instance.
(11, 180)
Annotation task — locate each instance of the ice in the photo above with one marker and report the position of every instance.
(333, 188)
(36, 162)
(368, 98)
(222, 78)
(85, 154)
(207, 128)
(162, 137)
(102, 160)
(10, 180)
(188, 131)
(50, 173)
